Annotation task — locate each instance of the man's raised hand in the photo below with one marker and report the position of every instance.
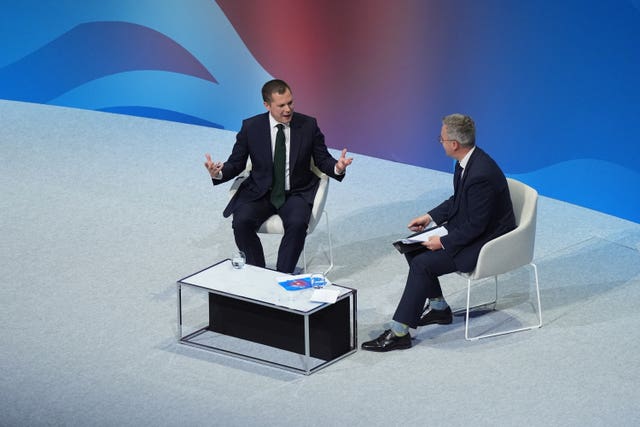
(213, 168)
(343, 161)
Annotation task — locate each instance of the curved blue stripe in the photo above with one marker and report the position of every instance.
(598, 184)
(184, 94)
(161, 114)
(93, 50)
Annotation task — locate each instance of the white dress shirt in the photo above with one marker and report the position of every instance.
(287, 143)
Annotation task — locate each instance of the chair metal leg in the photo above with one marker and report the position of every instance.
(304, 258)
(304, 252)
(326, 217)
(526, 328)
(463, 311)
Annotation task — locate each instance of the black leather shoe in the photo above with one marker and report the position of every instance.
(388, 341)
(431, 316)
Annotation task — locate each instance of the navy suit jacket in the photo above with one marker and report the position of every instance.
(254, 142)
(480, 210)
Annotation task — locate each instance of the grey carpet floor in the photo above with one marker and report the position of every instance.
(102, 213)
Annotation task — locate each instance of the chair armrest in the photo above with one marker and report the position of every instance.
(507, 252)
(236, 182)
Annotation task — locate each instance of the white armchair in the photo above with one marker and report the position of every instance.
(273, 224)
(509, 252)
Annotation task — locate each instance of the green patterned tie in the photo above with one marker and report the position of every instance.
(279, 160)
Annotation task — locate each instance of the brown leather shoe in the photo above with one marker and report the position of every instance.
(388, 341)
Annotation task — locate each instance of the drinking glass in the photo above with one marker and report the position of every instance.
(238, 260)
(318, 280)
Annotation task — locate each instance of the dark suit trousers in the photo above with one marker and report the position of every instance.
(248, 217)
(425, 267)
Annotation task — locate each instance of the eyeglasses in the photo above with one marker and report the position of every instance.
(442, 141)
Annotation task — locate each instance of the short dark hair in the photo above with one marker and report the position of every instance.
(274, 86)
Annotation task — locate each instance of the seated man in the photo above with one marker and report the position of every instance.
(280, 144)
(479, 210)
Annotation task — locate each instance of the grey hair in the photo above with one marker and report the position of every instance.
(460, 128)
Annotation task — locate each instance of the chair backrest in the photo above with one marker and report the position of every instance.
(514, 249)
(273, 224)
(320, 199)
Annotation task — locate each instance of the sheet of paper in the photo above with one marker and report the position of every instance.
(325, 295)
(423, 237)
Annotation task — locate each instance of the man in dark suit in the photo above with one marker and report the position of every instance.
(479, 210)
(280, 145)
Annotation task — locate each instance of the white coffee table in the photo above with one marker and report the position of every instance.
(245, 313)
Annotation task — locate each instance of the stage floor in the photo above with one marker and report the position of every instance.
(102, 213)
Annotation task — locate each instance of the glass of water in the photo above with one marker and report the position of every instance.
(238, 260)
(318, 280)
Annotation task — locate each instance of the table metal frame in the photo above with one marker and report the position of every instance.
(307, 369)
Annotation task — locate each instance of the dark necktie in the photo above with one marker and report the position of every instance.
(279, 160)
(457, 176)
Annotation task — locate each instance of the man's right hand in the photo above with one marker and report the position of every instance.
(213, 168)
(419, 223)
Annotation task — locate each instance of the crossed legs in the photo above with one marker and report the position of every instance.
(425, 267)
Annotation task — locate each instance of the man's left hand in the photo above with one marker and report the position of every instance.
(433, 244)
(343, 162)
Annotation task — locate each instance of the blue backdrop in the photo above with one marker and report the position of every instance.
(553, 85)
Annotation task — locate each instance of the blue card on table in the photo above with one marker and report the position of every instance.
(295, 283)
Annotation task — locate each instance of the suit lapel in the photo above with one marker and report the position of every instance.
(296, 140)
(470, 164)
(468, 169)
(265, 147)
(459, 183)
(456, 178)
(457, 190)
